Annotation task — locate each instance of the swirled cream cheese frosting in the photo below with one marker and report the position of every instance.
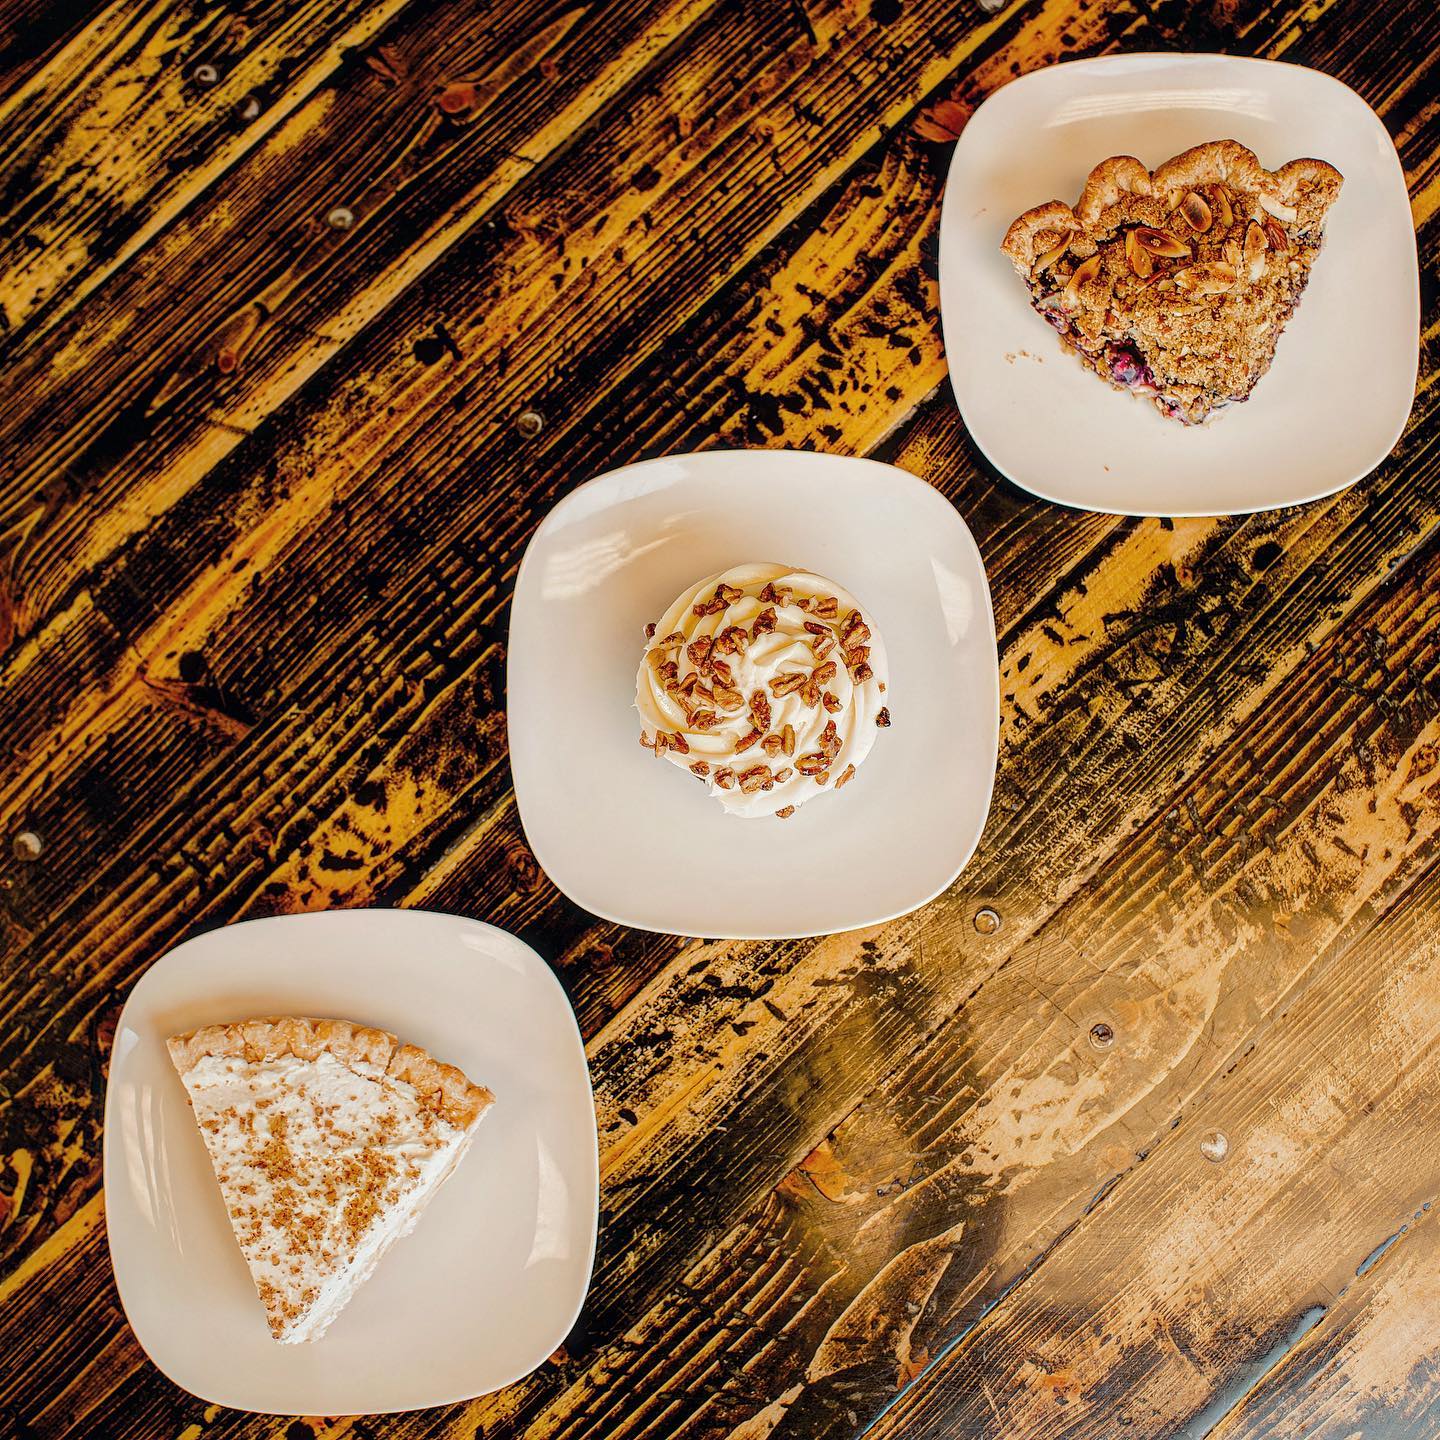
(766, 683)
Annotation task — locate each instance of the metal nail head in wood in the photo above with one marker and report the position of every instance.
(988, 921)
(28, 845)
(530, 423)
(340, 218)
(1215, 1146)
(1102, 1035)
(205, 74)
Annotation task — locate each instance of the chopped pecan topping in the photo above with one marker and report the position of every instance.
(760, 709)
(724, 778)
(856, 655)
(700, 768)
(680, 743)
(845, 776)
(810, 694)
(699, 651)
(771, 745)
(831, 702)
(784, 684)
(650, 630)
(861, 674)
(757, 777)
(785, 812)
(787, 739)
(722, 672)
(882, 718)
(811, 764)
(704, 720)
(763, 623)
(782, 775)
(746, 741)
(822, 646)
(728, 699)
(825, 673)
(827, 607)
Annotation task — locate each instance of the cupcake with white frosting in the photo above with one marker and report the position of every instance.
(766, 683)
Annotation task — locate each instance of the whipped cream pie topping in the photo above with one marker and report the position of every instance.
(766, 683)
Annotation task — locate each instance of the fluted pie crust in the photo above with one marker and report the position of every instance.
(440, 1087)
(1176, 283)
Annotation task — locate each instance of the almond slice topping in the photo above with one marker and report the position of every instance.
(1138, 256)
(1085, 272)
(1274, 205)
(1161, 243)
(1196, 212)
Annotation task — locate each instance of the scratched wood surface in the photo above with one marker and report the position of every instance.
(276, 282)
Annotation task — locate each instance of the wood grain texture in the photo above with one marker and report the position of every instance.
(261, 504)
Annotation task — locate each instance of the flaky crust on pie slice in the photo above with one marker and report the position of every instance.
(446, 1090)
(1175, 283)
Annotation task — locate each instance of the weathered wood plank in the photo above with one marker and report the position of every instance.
(135, 116)
(1370, 1369)
(235, 306)
(1195, 1280)
(31, 31)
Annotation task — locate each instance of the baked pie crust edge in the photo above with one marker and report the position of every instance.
(442, 1088)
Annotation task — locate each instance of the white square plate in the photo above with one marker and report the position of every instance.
(629, 837)
(1340, 389)
(495, 1272)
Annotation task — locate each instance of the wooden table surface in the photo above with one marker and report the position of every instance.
(281, 283)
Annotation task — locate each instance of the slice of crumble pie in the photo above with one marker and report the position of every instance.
(1176, 284)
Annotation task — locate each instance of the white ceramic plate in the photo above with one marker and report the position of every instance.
(494, 1274)
(1340, 389)
(632, 838)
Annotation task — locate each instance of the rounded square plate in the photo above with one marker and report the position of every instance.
(1338, 394)
(495, 1272)
(629, 837)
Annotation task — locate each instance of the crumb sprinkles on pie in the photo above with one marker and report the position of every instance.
(1175, 284)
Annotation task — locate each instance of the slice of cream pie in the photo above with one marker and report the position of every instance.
(328, 1139)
